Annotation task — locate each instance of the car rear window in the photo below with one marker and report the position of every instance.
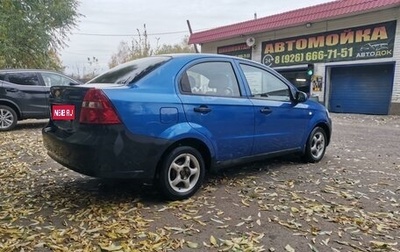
(131, 71)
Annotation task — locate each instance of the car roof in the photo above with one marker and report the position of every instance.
(30, 70)
(193, 56)
(200, 55)
(7, 70)
(186, 57)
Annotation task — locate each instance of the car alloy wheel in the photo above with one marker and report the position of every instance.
(182, 173)
(316, 145)
(8, 118)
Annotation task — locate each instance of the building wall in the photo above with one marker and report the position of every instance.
(324, 26)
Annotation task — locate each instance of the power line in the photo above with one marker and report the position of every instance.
(125, 35)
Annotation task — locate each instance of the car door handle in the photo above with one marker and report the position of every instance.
(11, 90)
(202, 109)
(265, 110)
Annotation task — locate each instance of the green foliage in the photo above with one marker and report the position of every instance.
(32, 32)
(141, 47)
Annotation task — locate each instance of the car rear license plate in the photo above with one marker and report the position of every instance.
(63, 112)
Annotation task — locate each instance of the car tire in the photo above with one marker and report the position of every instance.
(8, 118)
(316, 145)
(182, 173)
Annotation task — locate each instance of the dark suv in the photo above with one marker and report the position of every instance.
(24, 94)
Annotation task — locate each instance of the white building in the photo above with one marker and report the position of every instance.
(350, 46)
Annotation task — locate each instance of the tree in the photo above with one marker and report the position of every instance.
(92, 70)
(87, 71)
(141, 47)
(182, 47)
(33, 31)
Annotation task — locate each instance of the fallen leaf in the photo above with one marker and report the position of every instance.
(192, 245)
(288, 248)
(213, 241)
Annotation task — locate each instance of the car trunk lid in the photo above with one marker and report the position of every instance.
(73, 106)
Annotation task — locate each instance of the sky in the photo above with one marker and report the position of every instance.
(106, 23)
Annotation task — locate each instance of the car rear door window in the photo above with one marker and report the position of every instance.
(210, 78)
(53, 79)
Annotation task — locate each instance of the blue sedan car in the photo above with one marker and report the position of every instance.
(169, 119)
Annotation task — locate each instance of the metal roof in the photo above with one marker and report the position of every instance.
(330, 10)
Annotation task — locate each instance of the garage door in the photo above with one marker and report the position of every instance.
(361, 89)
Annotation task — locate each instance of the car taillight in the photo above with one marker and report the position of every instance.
(97, 109)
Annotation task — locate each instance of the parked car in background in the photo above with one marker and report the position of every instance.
(168, 119)
(24, 94)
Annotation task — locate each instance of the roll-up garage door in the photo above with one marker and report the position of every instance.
(363, 89)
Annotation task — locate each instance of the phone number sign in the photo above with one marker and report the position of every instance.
(356, 43)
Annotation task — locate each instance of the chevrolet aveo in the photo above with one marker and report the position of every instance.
(169, 119)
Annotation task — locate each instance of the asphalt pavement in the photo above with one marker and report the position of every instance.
(348, 202)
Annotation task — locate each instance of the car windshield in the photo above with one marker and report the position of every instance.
(131, 71)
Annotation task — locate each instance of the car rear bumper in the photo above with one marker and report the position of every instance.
(105, 152)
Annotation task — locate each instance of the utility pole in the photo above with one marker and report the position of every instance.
(190, 30)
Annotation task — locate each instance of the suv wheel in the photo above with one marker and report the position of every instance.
(8, 118)
(182, 173)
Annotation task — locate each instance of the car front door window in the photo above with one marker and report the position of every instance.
(265, 85)
(26, 79)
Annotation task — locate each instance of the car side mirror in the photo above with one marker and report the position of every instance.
(301, 96)
(73, 83)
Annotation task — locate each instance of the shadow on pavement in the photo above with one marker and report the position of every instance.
(30, 124)
(86, 190)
